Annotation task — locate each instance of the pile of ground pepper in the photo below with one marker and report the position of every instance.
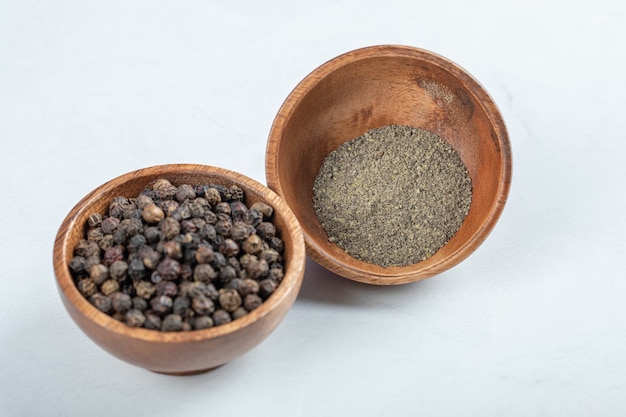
(393, 196)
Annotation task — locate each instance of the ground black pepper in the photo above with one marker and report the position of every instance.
(393, 196)
(179, 258)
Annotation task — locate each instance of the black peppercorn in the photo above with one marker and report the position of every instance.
(170, 228)
(204, 255)
(253, 217)
(120, 302)
(144, 289)
(109, 286)
(229, 299)
(266, 230)
(99, 273)
(252, 302)
(221, 317)
(166, 288)
(265, 209)
(253, 245)
(247, 287)
(87, 287)
(136, 269)
(266, 287)
(169, 206)
(202, 305)
(240, 312)
(140, 303)
(134, 318)
(185, 192)
(94, 219)
(161, 304)
(151, 233)
(173, 249)
(202, 322)
(117, 270)
(109, 225)
(241, 231)
(229, 248)
(257, 269)
(101, 302)
(152, 322)
(168, 269)
(204, 273)
(181, 306)
(172, 323)
(236, 193)
(238, 210)
(114, 253)
(77, 264)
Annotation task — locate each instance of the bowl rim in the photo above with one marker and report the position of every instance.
(292, 280)
(359, 270)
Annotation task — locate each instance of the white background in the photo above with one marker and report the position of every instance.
(532, 324)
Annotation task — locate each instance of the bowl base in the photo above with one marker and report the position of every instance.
(186, 373)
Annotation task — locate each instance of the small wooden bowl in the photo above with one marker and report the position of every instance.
(373, 87)
(179, 353)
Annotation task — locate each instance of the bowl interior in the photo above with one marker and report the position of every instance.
(179, 352)
(379, 86)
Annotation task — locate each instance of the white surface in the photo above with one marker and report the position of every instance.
(532, 324)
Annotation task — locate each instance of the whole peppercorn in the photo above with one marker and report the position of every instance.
(229, 299)
(116, 207)
(172, 323)
(140, 303)
(229, 248)
(90, 261)
(94, 219)
(136, 242)
(188, 226)
(77, 264)
(202, 322)
(257, 269)
(202, 305)
(223, 208)
(241, 231)
(266, 230)
(153, 322)
(170, 228)
(81, 248)
(211, 292)
(210, 217)
(212, 196)
(106, 242)
(238, 210)
(252, 302)
(151, 234)
(161, 304)
(266, 288)
(173, 249)
(142, 201)
(95, 235)
(131, 213)
(166, 288)
(114, 253)
(185, 192)
(99, 273)
(204, 273)
(118, 269)
(197, 208)
(169, 269)
(253, 217)
(224, 227)
(169, 206)
(181, 306)
(121, 302)
(109, 286)
(265, 209)
(101, 302)
(131, 226)
(221, 317)
(182, 212)
(277, 244)
(245, 259)
(276, 274)
(149, 257)
(144, 289)
(253, 245)
(87, 287)
(236, 193)
(270, 255)
(219, 260)
(186, 272)
(240, 312)
(163, 189)
(191, 289)
(204, 255)
(136, 269)
(109, 225)
(247, 287)
(134, 318)
(227, 274)
(186, 326)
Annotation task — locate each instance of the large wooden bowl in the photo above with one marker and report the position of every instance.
(179, 352)
(373, 87)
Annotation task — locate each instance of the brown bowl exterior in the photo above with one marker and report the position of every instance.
(179, 352)
(373, 87)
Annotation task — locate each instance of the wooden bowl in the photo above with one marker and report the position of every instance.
(373, 87)
(179, 353)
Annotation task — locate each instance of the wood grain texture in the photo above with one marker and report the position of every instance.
(179, 353)
(373, 87)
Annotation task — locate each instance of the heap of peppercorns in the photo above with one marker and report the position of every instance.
(178, 258)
